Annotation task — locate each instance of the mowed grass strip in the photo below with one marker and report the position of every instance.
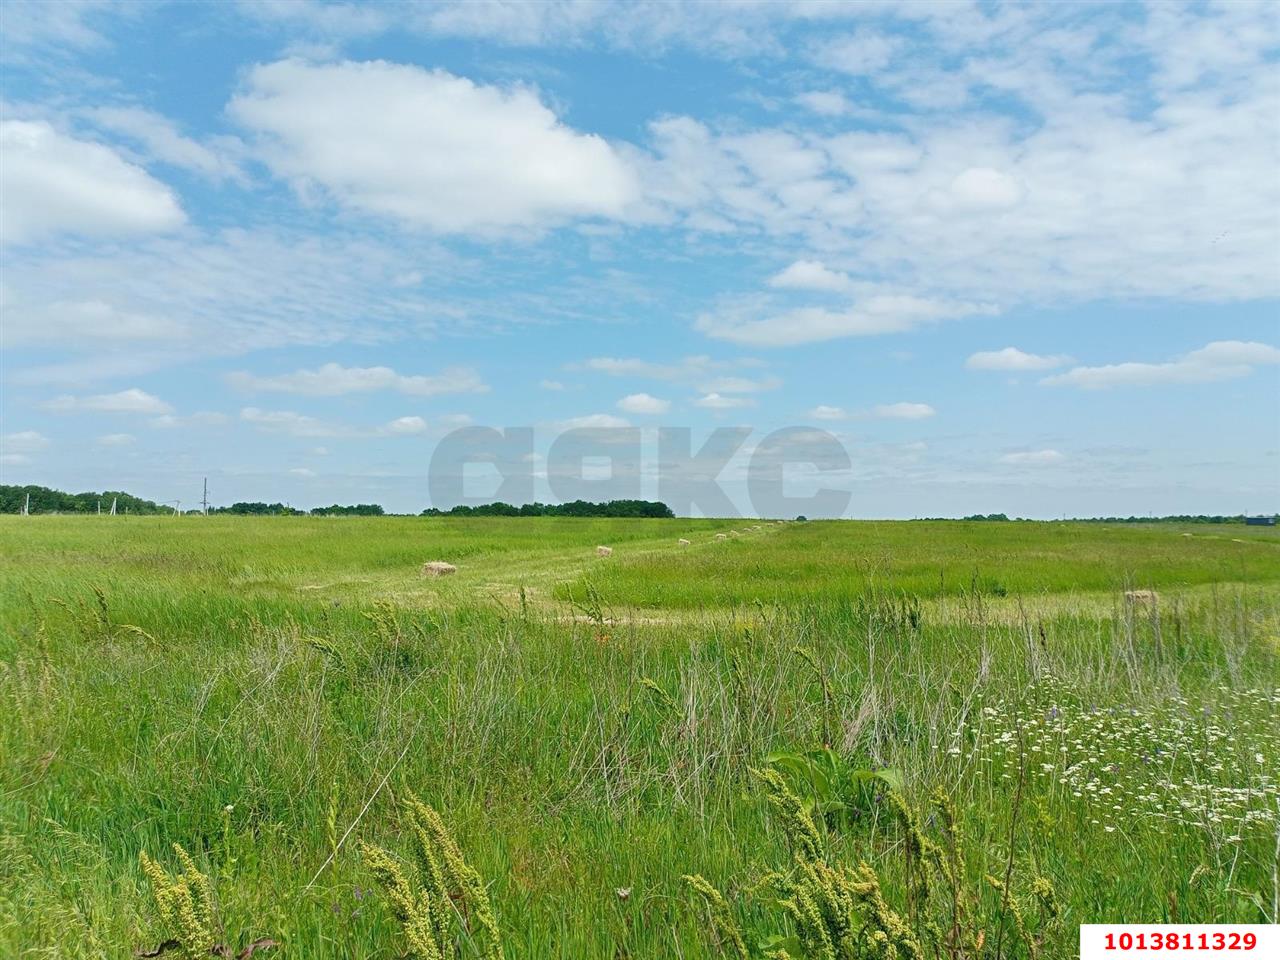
(842, 560)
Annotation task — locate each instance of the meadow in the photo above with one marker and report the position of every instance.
(822, 739)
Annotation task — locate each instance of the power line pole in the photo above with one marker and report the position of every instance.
(204, 502)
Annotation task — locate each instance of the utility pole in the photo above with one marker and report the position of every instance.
(204, 502)
(113, 505)
(26, 507)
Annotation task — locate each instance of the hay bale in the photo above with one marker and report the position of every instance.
(734, 533)
(1141, 596)
(438, 568)
(604, 551)
(722, 536)
(683, 542)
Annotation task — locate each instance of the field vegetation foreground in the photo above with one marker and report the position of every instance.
(837, 739)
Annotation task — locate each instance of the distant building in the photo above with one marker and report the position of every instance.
(1260, 521)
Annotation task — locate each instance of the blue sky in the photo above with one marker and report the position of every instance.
(1016, 258)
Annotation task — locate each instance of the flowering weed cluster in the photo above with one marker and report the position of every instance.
(1208, 764)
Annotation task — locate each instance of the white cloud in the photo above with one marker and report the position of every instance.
(643, 403)
(1032, 458)
(351, 127)
(405, 426)
(810, 275)
(203, 418)
(1082, 185)
(332, 379)
(981, 188)
(53, 183)
(24, 442)
(708, 375)
(1014, 360)
(823, 412)
(861, 52)
(290, 422)
(116, 440)
(903, 411)
(164, 142)
(718, 401)
(826, 103)
(132, 400)
(302, 472)
(877, 314)
(554, 385)
(220, 294)
(88, 320)
(593, 421)
(1220, 360)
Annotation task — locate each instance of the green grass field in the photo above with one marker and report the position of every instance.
(267, 692)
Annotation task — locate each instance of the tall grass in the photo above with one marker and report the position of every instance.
(585, 763)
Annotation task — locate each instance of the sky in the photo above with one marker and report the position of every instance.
(1013, 258)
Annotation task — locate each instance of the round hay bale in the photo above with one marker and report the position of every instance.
(438, 568)
(722, 536)
(683, 542)
(604, 551)
(1141, 596)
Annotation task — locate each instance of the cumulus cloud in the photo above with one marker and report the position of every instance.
(53, 183)
(810, 275)
(1076, 188)
(1032, 458)
(826, 103)
(592, 421)
(203, 418)
(332, 379)
(132, 400)
(1220, 360)
(484, 157)
(718, 401)
(903, 411)
(1013, 360)
(824, 412)
(643, 403)
(405, 426)
(878, 314)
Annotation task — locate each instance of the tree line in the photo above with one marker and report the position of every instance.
(13, 499)
(574, 508)
(45, 500)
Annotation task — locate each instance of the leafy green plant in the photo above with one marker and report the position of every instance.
(835, 789)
